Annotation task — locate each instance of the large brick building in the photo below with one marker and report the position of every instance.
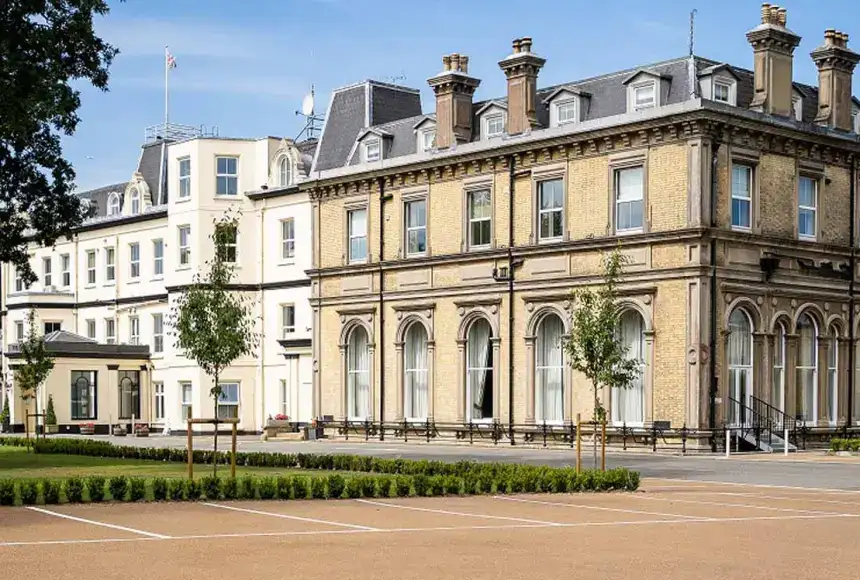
(447, 244)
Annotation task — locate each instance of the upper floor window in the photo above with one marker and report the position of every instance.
(19, 281)
(158, 258)
(550, 209)
(288, 239)
(357, 226)
(226, 176)
(110, 330)
(184, 245)
(47, 277)
(566, 111)
(741, 196)
(288, 320)
(135, 201)
(134, 330)
(480, 218)
(285, 172)
(110, 264)
(134, 260)
(52, 327)
(807, 207)
(227, 243)
(494, 125)
(416, 227)
(65, 270)
(427, 139)
(113, 207)
(158, 332)
(185, 178)
(797, 107)
(721, 92)
(645, 96)
(629, 197)
(372, 150)
(91, 267)
(91, 328)
(19, 332)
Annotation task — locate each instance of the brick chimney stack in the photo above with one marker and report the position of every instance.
(521, 68)
(454, 89)
(835, 62)
(773, 45)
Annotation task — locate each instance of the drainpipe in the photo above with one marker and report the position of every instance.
(712, 330)
(317, 405)
(381, 341)
(511, 170)
(852, 239)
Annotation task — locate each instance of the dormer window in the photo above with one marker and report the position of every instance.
(797, 107)
(645, 96)
(494, 125)
(566, 111)
(113, 204)
(135, 201)
(719, 83)
(372, 150)
(285, 172)
(721, 92)
(427, 140)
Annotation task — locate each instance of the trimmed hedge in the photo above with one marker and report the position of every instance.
(852, 445)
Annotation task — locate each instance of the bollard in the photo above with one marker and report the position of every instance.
(785, 442)
(728, 443)
(578, 443)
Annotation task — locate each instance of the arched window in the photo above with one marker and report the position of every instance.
(113, 204)
(479, 372)
(285, 172)
(358, 374)
(549, 371)
(833, 375)
(777, 388)
(628, 405)
(415, 373)
(807, 369)
(135, 201)
(740, 367)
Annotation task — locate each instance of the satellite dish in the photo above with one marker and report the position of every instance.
(308, 105)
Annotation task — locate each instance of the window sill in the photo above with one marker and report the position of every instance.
(746, 230)
(133, 281)
(157, 356)
(482, 248)
(551, 240)
(89, 287)
(417, 255)
(225, 196)
(183, 199)
(183, 268)
(356, 262)
(290, 262)
(629, 232)
(157, 279)
(111, 283)
(803, 238)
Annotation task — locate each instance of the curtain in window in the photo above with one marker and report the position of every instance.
(415, 370)
(549, 371)
(778, 385)
(628, 405)
(740, 364)
(478, 364)
(358, 360)
(806, 368)
(832, 376)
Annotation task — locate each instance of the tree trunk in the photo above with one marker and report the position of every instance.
(595, 419)
(215, 453)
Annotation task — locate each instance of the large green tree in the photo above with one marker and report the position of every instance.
(45, 47)
(214, 325)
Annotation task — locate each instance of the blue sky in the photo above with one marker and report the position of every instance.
(246, 70)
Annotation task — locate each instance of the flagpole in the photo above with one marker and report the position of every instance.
(166, 88)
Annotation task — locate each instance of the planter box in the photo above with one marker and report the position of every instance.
(53, 428)
(88, 430)
(119, 432)
(276, 428)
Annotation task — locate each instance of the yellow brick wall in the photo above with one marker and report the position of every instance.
(777, 183)
(667, 187)
(669, 256)
(670, 340)
(448, 381)
(501, 207)
(835, 204)
(588, 197)
(332, 217)
(329, 363)
(524, 219)
(393, 227)
(446, 214)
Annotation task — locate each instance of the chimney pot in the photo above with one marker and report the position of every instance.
(464, 64)
(782, 16)
(516, 45)
(446, 63)
(526, 44)
(765, 13)
(773, 46)
(835, 62)
(455, 62)
(829, 37)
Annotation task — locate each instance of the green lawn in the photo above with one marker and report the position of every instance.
(18, 463)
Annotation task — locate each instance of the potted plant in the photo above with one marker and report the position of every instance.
(88, 429)
(119, 431)
(51, 416)
(141, 430)
(4, 417)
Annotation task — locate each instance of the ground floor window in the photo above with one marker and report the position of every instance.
(479, 371)
(158, 388)
(186, 394)
(84, 395)
(285, 397)
(628, 404)
(228, 402)
(129, 394)
(807, 369)
(358, 374)
(415, 372)
(549, 371)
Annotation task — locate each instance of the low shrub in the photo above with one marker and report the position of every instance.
(51, 491)
(29, 492)
(176, 489)
(301, 487)
(838, 444)
(453, 484)
(318, 490)
(285, 487)
(74, 488)
(193, 489)
(335, 483)
(230, 488)
(248, 487)
(159, 489)
(368, 486)
(354, 487)
(384, 484)
(7, 492)
(268, 487)
(211, 486)
(137, 489)
(118, 487)
(421, 484)
(96, 488)
(437, 485)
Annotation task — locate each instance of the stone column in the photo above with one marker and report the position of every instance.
(112, 395)
(497, 400)
(759, 360)
(399, 383)
(822, 396)
(648, 379)
(145, 395)
(374, 391)
(344, 384)
(724, 390)
(531, 381)
(462, 415)
(842, 375)
(431, 379)
(791, 345)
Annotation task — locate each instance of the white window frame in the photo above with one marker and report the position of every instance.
(409, 228)
(750, 171)
(226, 176)
(833, 377)
(47, 272)
(351, 258)
(352, 375)
(65, 270)
(288, 239)
(19, 281)
(372, 150)
(471, 220)
(114, 207)
(134, 330)
(158, 333)
(134, 261)
(135, 201)
(158, 406)
(720, 84)
(797, 107)
(110, 330)
(618, 202)
(286, 328)
(91, 328)
(184, 246)
(563, 104)
(184, 178)
(19, 332)
(158, 258)
(813, 209)
(54, 326)
(186, 398)
(427, 139)
(541, 212)
(234, 246)
(91, 267)
(489, 120)
(110, 265)
(285, 397)
(285, 171)
(636, 88)
(224, 401)
(470, 371)
(813, 420)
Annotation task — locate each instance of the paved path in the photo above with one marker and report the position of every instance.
(809, 469)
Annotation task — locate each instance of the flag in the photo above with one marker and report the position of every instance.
(171, 62)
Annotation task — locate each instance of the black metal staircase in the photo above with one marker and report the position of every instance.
(761, 425)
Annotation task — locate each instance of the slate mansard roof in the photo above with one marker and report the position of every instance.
(349, 117)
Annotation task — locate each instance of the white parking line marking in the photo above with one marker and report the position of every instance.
(450, 513)
(725, 504)
(289, 517)
(783, 498)
(97, 523)
(764, 485)
(594, 507)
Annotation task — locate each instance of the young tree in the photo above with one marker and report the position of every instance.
(46, 49)
(593, 347)
(214, 325)
(37, 364)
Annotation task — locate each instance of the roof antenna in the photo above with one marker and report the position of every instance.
(311, 118)
(393, 80)
(692, 29)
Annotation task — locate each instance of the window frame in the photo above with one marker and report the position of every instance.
(617, 170)
(134, 330)
(135, 201)
(350, 211)
(423, 135)
(284, 395)
(92, 266)
(815, 209)
(406, 228)
(285, 171)
(184, 251)
(184, 178)
(65, 270)
(93, 398)
(90, 324)
(55, 326)
(158, 258)
(490, 119)
(226, 176)
(636, 88)
(114, 205)
(158, 403)
(288, 243)
(47, 272)
(750, 170)
(158, 333)
(20, 333)
(288, 329)
(367, 146)
(110, 330)
(469, 191)
(540, 179)
(110, 265)
(560, 104)
(228, 246)
(19, 281)
(721, 84)
(186, 399)
(134, 263)
(135, 395)
(238, 402)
